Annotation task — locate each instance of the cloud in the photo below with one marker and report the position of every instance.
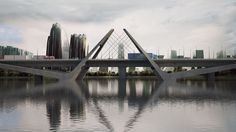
(74, 10)
(9, 34)
(154, 23)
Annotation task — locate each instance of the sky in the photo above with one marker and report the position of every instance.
(158, 25)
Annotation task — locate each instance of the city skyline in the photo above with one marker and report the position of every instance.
(160, 26)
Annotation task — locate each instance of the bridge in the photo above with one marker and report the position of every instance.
(60, 63)
(80, 67)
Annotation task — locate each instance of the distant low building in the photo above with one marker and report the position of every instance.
(43, 57)
(180, 56)
(173, 54)
(17, 57)
(8, 51)
(199, 54)
(221, 54)
(103, 69)
(160, 56)
(139, 56)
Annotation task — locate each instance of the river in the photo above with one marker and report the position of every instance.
(104, 105)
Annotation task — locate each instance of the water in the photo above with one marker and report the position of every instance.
(109, 105)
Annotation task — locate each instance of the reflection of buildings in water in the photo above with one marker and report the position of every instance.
(146, 88)
(54, 113)
(220, 92)
(15, 84)
(103, 83)
(102, 87)
(132, 89)
(94, 87)
(77, 110)
(8, 105)
(113, 83)
(138, 95)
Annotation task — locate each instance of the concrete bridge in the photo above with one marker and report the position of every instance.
(80, 67)
(121, 63)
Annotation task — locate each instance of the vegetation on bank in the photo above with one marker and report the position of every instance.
(135, 73)
(9, 73)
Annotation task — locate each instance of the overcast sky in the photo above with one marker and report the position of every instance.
(155, 24)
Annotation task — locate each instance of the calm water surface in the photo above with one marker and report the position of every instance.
(110, 105)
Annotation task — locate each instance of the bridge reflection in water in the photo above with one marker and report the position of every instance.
(81, 99)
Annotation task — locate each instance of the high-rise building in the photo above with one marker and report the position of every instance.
(121, 54)
(173, 54)
(83, 46)
(58, 44)
(78, 46)
(54, 46)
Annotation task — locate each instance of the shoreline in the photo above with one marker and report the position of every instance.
(200, 77)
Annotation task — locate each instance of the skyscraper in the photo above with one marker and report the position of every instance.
(54, 47)
(121, 54)
(78, 46)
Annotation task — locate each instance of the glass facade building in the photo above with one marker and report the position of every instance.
(10, 50)
(59, 47)
(199, 54)
(139, 56)
(78, 46)
(173, 54)
(54, 47)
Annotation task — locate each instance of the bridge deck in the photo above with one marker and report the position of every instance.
(117, 63)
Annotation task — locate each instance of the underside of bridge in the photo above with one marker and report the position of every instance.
(81, 69)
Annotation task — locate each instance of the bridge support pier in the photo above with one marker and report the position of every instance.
(122, 72)
(211, 76)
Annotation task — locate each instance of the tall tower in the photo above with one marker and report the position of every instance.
(78, 46)
(83, 46)
(54, 42)
(121, 54)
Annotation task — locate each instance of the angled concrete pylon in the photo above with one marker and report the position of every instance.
(40, 72)
(184, 74)
(85, 69)
(156, 69)
(81, 67)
